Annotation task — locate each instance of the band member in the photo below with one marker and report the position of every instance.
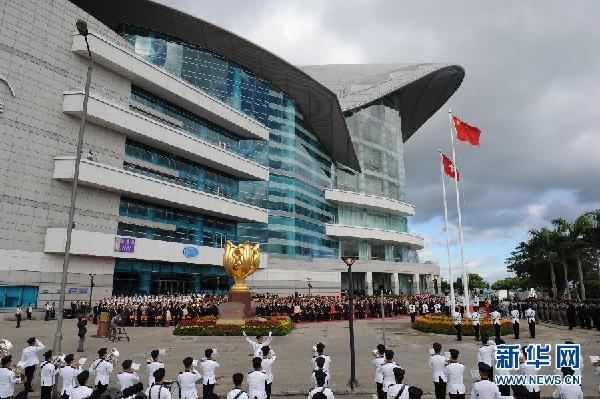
(257, 380)
(207, 368)
(268, 358)
(457, 318)
(424, 308)
(514, 315)
(187, 380)
(320, 368)
(69, 375)
(82, 390)
(29, 360)
(377, 363)
(153, 365)
(321, 389)
(475, 323)
(259, 343)
(387, 370)
(495, 315)
(455, 373)
(102, 368)
(485, 388)
(485, 353)
(8, 379)
(127, 378)
(321, 353)
(237, 392)
(437, 362)
(19, 315)
(157, 390)
(530, 316)
(48, 373)
(412, 310)
(568, 391)
(397, 389)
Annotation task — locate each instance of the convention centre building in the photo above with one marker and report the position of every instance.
(196, 136)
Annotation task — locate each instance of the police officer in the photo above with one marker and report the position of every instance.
(257, 380)
(485, 389)
(237, 392)
(29, 360)
(157, 390)
(437, 362)
(103, 368)
(424, 308)
(8, 380)
(377, 363)
(398, 389)
(514, 315)
(187, 380)
(412, 310)
(82, 390)
(495, 315)
(320, 369)
(455, 374)
(457, 318)
(127, 378)
(153, 365)
(69, 375)
(321, 353)
(321, 390)
(530, 316)
(475, 322)
(387, 370)
(268, 359)
(48, 373)
(485, 353)
(208, 367)
(259, 343)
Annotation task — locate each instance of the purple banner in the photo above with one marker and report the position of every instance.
(127, 244)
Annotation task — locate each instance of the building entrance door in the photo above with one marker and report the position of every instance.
(168, 284)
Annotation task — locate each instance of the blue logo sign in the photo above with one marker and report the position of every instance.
(190, 252)
(568, 355)
(507, 356)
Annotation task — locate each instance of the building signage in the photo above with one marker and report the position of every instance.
(125, 244)
(190, 252)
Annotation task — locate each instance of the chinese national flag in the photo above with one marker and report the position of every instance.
(466, 132)
(449, 168)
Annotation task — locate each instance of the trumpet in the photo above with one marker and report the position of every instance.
(19, 373)
(113, 356)
(314, 349)
(5, 347)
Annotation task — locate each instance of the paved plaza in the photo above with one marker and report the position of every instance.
(293, 366)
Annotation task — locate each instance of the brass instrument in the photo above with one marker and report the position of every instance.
(113, 356)
(240, 262)
(19, 373)
(57, 360)
(5, 347)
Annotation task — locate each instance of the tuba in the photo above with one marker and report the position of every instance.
(5, 347)
(113, 356)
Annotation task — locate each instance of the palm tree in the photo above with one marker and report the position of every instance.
(563, 229)
(543, 248)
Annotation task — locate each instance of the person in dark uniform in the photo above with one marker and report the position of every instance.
(571, 315)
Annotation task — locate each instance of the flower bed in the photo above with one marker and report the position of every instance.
(278, 325)
(445, 325)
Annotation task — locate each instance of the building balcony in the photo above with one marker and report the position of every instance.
(367, 233)
(156, 190)
(369, 201)
(160, 135)
(106, 244)
(125, 62)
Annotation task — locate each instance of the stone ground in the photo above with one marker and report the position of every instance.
(292, 370)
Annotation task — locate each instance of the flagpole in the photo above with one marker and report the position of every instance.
(450, 277)
(465, 277)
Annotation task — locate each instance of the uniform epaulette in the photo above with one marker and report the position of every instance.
(181, 372)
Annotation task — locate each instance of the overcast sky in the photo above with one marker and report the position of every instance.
(531, 85)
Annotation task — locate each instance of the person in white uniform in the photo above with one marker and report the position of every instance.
(485, 353)
(377, 363)
(504, 389)
(102, 368)
(29, 360)
(457, 319)
(268, 359)
(237, 392)
(437, 362)
(158, 390)
(495, 315)
(455, 372)
(484, 388)
(320, 369)
(256, 346)
(475, 322)
(8, 380)
(321, 353)
(398, 390)
(82, 390)
(321, 390)
(208, 367)
(530, 317)
(527, 369)
(437, 308)
(424, 308)
(127, 379)
(69, 374)
(257, 380)
(412, 310)
(48, 373)
(153, 365)
(387, 370)
(187, 380)
(515, 316)
(572, 391)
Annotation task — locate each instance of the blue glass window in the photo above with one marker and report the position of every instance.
(15, 295)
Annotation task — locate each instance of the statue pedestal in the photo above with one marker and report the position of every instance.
(237, 309)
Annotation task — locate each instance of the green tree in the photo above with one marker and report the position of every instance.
(510, 283)
(475, 282)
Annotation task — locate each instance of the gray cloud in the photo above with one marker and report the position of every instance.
(531, 86)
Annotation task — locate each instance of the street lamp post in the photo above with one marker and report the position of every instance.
(308, 280)
(381, 288)
(92, 275)
(349, 261)
(82, 29)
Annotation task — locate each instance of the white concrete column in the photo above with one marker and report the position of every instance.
(395, 284)
(369, 282)
(416, 287)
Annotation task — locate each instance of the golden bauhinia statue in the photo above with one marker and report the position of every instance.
(240, 261)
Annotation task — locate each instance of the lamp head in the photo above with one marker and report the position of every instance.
(349, 260)
(82, 27)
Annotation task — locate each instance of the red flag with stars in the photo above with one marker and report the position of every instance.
(466, 132)
(449, 168)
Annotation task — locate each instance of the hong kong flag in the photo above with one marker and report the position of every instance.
(466, 132)
(449, 168)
